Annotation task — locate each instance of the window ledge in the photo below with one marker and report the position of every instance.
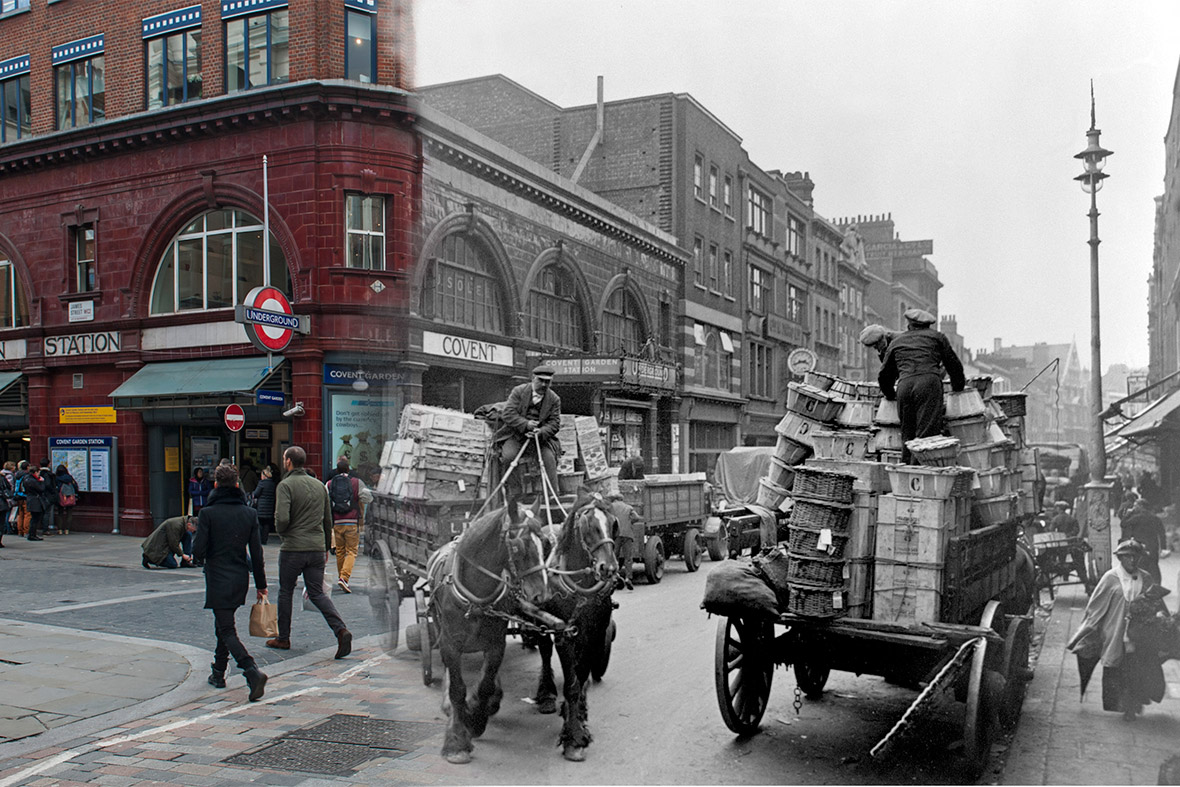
(17, 12)
(368, 273)
(70, 297)
(730, 298)
(700, 286)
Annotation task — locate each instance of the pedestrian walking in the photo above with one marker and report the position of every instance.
(303, 519)
(226, 529)
(264, 502)
(67, 497)
(1147, 529)
(912, 374)
(347, 494)
(1131, 677)
(199, 488)
(628, 533)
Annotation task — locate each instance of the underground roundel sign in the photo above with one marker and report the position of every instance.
(235, 417)
(270, 321)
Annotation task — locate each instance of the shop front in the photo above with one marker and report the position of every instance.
(713, 428)
(462, 372)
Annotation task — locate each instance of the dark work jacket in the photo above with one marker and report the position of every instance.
(514, 417)
(34, 490)
(264, 494)
(226, 527)
(919, 351)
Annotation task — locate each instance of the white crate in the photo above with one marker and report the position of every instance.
(870, 476)
(951, 514)
(906, 593)
(911, 543)
(799, 428)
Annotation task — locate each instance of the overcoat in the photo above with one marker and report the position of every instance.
(513, 418)
(226, 527)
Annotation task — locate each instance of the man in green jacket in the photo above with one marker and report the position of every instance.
(171, 544)
(303, 519)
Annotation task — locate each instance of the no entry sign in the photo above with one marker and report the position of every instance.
(270, 321)
(235, 417)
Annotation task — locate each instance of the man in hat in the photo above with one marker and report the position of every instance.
(1148, 530)
(911, 373)
(531, 417)
(1063, 521)
(878, 337)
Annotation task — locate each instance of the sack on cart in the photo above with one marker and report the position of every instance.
(737, 587)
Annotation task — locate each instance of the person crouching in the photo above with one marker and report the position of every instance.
(171, 544)
(226, 528)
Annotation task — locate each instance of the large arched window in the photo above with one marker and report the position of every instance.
(14, 309)
(214, 262)
(554, 317)
(623, 329)
(462, 288)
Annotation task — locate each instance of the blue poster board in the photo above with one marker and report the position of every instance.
(92, 461)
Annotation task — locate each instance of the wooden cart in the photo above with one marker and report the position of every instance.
(1057, 556)
(980, 657)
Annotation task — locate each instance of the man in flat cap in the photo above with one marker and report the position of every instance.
(911, 373)
(532, 410)
(878, 337)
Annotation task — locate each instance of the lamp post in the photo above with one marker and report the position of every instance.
(1097, 491)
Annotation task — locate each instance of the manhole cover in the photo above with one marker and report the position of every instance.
(292, 754)
(377, 733)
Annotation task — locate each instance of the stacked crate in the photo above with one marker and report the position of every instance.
(819, 537)
(985, 448)
(928, 507)
(1013, 407)
(810, 410)
(439, 455)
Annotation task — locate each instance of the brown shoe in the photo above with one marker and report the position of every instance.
(278, 643)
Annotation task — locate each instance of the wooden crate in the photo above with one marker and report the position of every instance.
(911, 543)
(952, 514)
(906, 593)
(858, 581)
(862, 526)
(870, 476)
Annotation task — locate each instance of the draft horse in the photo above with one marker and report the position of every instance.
(584, 568)
(476, 582)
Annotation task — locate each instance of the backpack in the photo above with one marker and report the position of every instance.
(19, 494)
(340, 493)
(67, 496)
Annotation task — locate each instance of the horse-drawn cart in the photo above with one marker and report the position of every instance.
(673, 509)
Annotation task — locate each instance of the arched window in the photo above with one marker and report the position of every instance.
(14, 309)
(463, 289)
(622, 324)
(554, 317)
(214, 262)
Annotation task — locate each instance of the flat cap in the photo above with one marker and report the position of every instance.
(1130, 547)
(544, 370)
(919, 317)
(872, 334)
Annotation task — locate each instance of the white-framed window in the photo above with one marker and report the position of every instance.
(761, 292)
(364, 222)
(795, 304)
(727, 272)
(713, 186)
(759, 207)
(795, 236)
(698, 261)
(14, 309)
(214, 262)
(698, 177)
(7, 6)
(85, 275)
(761, 369)
(714, 267)
(727, 195)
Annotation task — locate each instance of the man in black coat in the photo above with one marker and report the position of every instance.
(1148, 529)
(226, 527)
(34, 488)
(912, 374)
(532, 409)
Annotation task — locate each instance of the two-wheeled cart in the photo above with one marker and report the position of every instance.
(1058, 556)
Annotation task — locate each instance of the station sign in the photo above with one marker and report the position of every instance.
(649, 374)
(270, 321)
(463, 349)
(269, 397)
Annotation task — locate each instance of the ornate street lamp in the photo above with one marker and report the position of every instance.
(1097, 514)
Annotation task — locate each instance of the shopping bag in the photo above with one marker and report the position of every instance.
(264, 619)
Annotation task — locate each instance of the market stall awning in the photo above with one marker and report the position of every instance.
(1152, 421)
(196, 383)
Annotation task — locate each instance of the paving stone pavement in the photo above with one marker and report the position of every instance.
(1062, 739)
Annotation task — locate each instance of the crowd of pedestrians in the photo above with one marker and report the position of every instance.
(36, 499)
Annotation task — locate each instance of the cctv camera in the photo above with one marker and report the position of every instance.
(294, 411)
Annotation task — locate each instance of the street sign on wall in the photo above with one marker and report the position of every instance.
(270, 321)
(235, 417)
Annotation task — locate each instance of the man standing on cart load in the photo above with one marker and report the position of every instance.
(532, 409)
(912, 374)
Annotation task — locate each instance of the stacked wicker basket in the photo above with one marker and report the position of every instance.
(819, 535)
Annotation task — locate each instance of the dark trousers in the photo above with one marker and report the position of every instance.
(509, 451)
(921, 408)
(186, 545)
(35, 518)
(266, 525)
(228, 642)
(311, 566)
(626, 556)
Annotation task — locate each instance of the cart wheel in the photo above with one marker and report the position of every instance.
(743, 670)
(653, 559)
(598, 668)
(985, 691)
(692, 549)
(719, 545)
(1016, 647)
(811, 677)
(385, 598)
(424, 643)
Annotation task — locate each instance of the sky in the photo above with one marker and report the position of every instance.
(960, 119)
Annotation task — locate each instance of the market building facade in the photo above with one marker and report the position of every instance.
(135, 216)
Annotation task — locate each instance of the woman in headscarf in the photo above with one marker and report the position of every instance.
(1131, 676)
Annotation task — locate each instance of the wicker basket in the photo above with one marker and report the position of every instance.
(812, 402)
(934, 483)
(780, 473)
(983, 384)
(770, 495)
(811, 601)
(937, 451)
(844, 389)
(887, 438)
(791, 452)
(964, 485)
(888, 456)
(809, 570)
(819, 380)
(798, 428)
(857, 413)
(977, 457)
(1013, 403)
(819, 514)
(964, 404)
(805, 541)
(823, 485)
(993, 482)
(970, 431)
(868, 390)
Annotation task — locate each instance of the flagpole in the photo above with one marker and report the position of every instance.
(266, 243)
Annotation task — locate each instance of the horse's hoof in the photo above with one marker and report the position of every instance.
(547, 706)
(459, 757)
(574, 753)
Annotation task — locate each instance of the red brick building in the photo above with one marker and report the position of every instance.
(132, 213)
